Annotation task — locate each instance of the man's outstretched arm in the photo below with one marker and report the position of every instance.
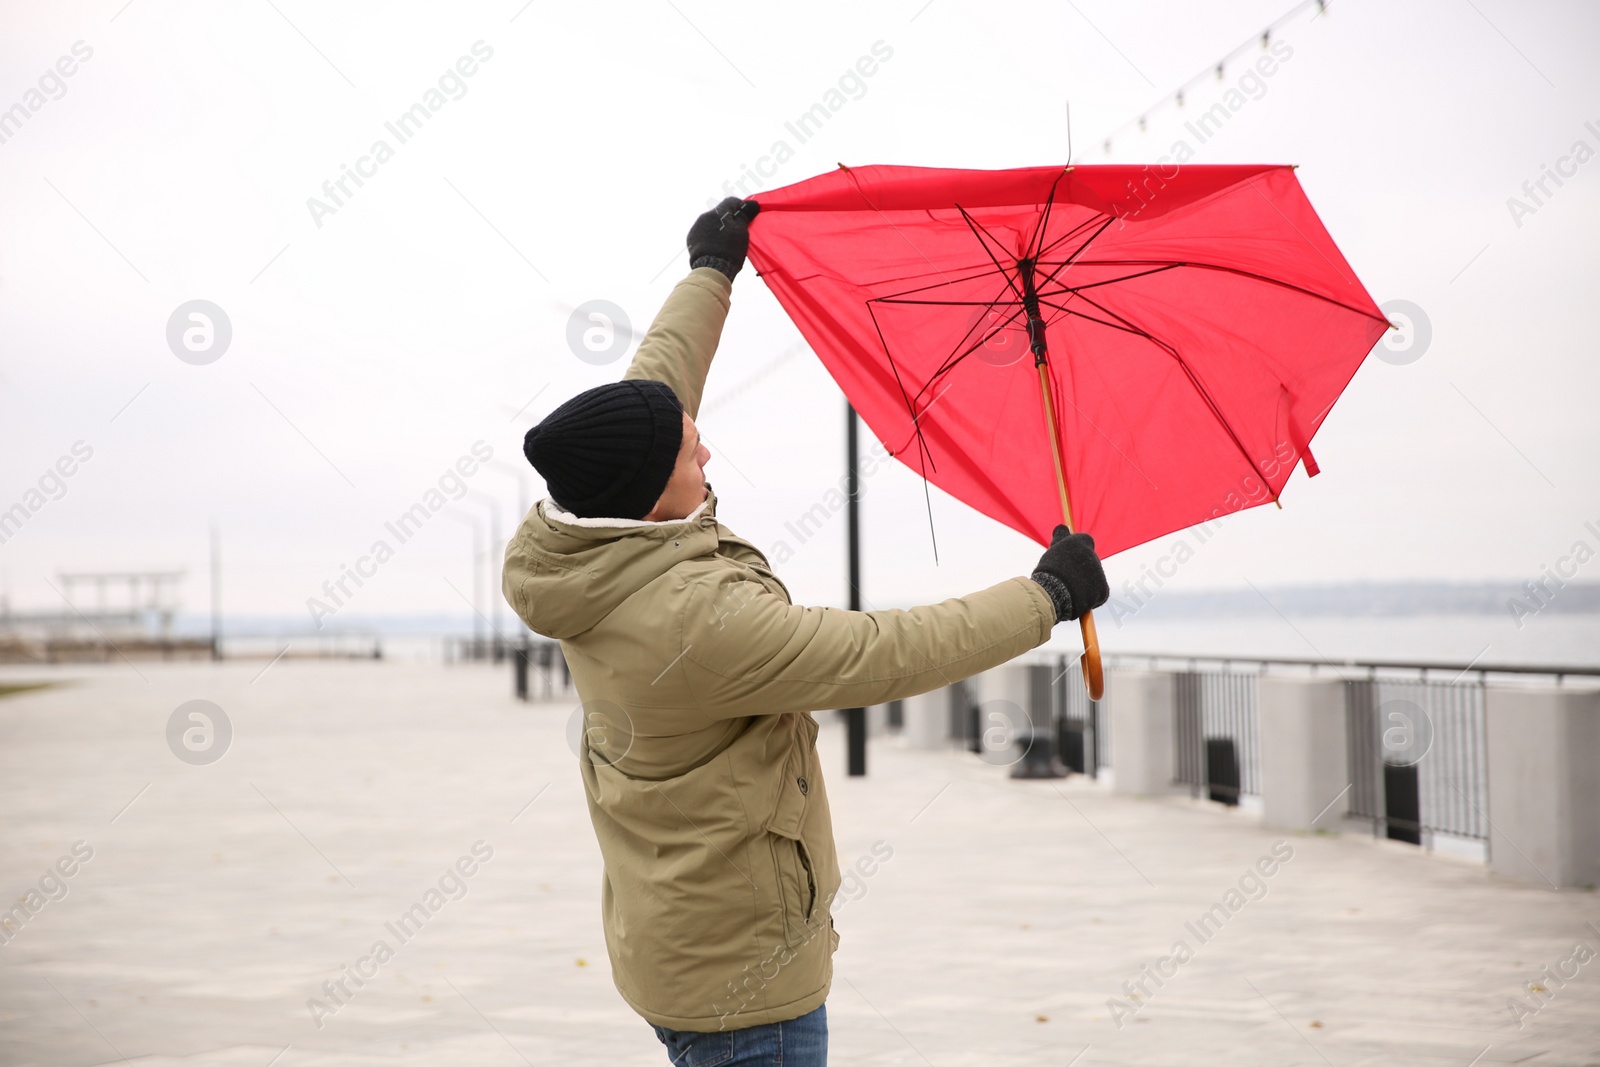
(745, 651)
(742, 650)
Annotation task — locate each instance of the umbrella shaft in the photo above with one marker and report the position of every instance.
(1036, 343)
(1055, 444)
(1030, 304)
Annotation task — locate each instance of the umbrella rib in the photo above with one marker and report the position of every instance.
(1070, 234)
(924, 455)
(1048, 278)
(1285, 285)
(1078, 314)
(1216, 411)
(974, 226)
(1108, 281)
(952, 361)
(939, 303)
(1225, 270)
(1044, 217)
(981, 272)
(924, 452)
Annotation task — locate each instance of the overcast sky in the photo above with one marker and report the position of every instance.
(375, 339)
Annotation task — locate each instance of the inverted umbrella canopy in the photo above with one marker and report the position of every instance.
(1192, 332)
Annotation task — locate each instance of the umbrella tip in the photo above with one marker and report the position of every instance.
(1278, 502)
(843, 167)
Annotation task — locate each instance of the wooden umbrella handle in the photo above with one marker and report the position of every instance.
(1094, 678)
(1093, 674)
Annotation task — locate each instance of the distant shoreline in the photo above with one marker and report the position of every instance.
(1366, 600)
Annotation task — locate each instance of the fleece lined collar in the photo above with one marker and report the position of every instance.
(552, 510)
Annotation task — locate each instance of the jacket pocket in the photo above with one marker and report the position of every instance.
(792, 862)
(797, 886)
(693, 1049)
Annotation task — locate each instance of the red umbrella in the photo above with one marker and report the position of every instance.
(1188, 334)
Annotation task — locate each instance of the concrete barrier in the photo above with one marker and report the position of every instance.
(927, 719)
(1142, 731)
(1017, 711)
(1305, 762)
(1543, 752)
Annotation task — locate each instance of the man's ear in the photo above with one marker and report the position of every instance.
(654, 514)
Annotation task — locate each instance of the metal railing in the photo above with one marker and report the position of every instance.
(1415, 743)
(1217, 727)
(545, 657)
(1416, 732)
(1417, 761)
(1083, 741)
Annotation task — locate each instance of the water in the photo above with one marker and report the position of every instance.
(1569, 640)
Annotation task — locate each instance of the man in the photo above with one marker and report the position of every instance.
(699, 677)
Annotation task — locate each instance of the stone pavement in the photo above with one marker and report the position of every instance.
(219, 898)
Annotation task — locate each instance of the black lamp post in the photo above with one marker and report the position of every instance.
(855, 718)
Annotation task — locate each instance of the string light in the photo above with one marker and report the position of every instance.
(1220, 69)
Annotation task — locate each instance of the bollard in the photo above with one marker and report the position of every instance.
(1019, 704)
(519, 661)
(1037, 740)
(547, 668)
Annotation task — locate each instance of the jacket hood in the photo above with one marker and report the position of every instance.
(563, 577)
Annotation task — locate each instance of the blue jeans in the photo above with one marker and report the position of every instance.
(801, 1042)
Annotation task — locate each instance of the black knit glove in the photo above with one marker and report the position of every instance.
(1071, 573)
(721, 237)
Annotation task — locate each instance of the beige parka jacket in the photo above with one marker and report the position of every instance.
(698, 679)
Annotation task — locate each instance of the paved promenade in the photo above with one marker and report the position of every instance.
(1012, 923)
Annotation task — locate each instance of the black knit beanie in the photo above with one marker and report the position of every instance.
(608, 452)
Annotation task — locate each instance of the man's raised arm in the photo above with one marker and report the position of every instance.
(678, 347)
